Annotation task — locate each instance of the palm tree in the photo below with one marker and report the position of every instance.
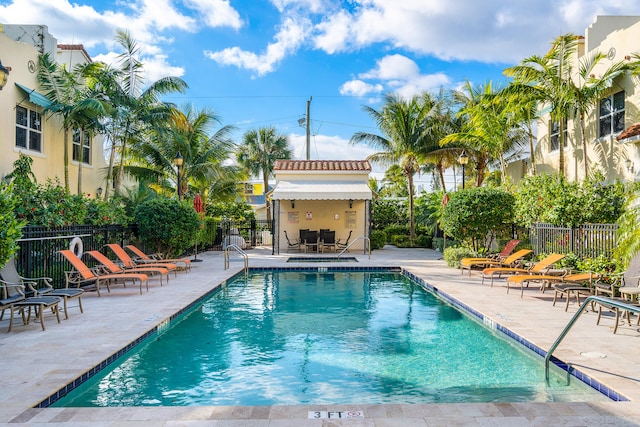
(70, 99)
(548, 79)
(402, 124)
(187, 131)
(439, 121)
(589, 90)
(258, 154)
(134, 109)
(520, 102)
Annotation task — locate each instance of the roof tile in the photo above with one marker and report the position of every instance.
(322, 165)
(629, 132)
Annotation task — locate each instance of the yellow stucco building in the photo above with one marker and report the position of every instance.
(611, 128)
(26, 128)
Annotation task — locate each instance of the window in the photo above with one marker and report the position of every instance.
(248, 188)
(554, 135)
(81, 139)
(611, 115)
(28, 129)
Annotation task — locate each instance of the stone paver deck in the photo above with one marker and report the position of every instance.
(35, 363)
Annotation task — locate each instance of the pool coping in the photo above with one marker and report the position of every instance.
(488, 322)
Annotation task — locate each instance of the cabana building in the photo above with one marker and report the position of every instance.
(321, 195)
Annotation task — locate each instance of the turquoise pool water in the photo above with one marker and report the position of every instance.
(301, 337)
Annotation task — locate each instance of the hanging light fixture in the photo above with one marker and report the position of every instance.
(4, 75)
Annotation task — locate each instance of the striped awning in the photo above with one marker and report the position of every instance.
(321, 190)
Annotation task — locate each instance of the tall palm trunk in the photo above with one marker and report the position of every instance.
(412, 225)
(80, 161)
(65, 158)
(584, 146)
(265, 182)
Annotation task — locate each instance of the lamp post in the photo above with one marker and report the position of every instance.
(4, 75)
(463, 159)
(178, 160)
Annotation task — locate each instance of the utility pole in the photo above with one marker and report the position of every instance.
(308, 126)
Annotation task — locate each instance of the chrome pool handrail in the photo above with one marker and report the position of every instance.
(590, 299)
(227, 256)
(367, 246)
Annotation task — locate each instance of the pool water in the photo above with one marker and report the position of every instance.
(302, 337)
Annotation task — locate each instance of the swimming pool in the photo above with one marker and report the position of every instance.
(297, 337)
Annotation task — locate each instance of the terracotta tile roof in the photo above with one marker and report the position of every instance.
(79, 47)
(322, 165)
(631, 131)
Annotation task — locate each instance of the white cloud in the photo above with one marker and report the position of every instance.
(313, 6)
(217, 13)
(393, 67)
(394, 73)
(359, 88)
(327, 147)
(291, 35)
(464, 30)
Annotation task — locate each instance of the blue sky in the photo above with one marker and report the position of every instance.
(257, 62)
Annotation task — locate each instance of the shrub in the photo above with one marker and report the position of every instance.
(10, 226)
(401, 241)
(478, 215)
(438, 243)
(168, 225)
(387, 212)
(378, 239)
(100, 212)
(552, 199)
(453, 255)
(423, 241)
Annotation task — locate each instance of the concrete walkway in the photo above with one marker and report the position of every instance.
(36, 364)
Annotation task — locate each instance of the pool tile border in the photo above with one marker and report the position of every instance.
(63, 391)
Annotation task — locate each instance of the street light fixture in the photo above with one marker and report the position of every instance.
(178, 160)
(463, 159)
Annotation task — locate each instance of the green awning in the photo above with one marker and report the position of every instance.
(35, 97)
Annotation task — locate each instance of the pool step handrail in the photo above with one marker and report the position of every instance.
(587, 302)
(227, 256)
(367, 246)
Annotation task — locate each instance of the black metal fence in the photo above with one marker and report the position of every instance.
(585, 241)
(38, 255)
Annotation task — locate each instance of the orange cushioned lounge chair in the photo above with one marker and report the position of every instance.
(541, 267)
(114, 268)
(128, 262)
(83, 275)
(500, 256)
(510, 261)
(183, 263)
(563, 284)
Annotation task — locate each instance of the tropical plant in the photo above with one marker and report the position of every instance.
(204, 153)
(552, 199)
(10, 225)
(135, 108)
(72, 100)
(439, 121)
(236, 211)
(478, 215)
(628, 241)
(168, 225)
(258, 154)
(490, 129)
(588, 92)
(388, 212)
(548, 79)
(402, 124)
